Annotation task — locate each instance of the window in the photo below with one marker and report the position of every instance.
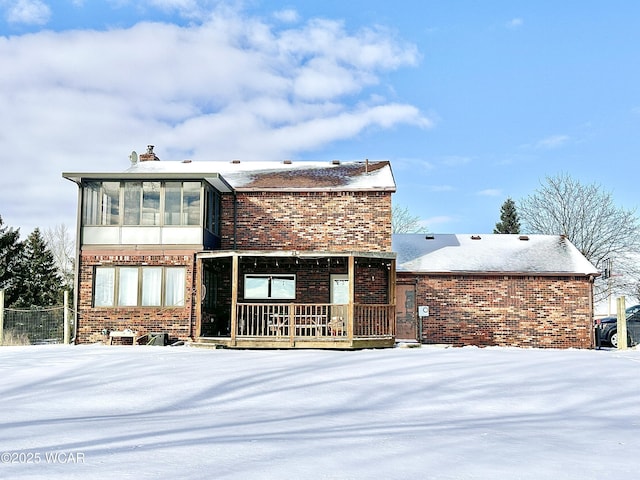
(152, 286)
(103, 292)
(191, 202)
(101, 203)
(149, 203)
(110, 203)
(269, 286)
(139, 287)
(212, 211)
(172, 203)
(128, 286)
(132, 191)
(174, 287)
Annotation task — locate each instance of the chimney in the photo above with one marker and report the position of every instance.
(149, 156)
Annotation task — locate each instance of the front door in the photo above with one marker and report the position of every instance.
(406, 318)
(339, 297)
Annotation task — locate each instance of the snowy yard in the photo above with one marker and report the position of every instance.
(178, 412)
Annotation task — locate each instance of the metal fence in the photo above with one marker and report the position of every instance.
(34, 326)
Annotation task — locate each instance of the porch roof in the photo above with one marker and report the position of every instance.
(294, 253)
(490, 253)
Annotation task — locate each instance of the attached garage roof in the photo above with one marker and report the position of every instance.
(489, 254)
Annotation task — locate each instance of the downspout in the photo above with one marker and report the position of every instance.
(76, 280)
(592, 310)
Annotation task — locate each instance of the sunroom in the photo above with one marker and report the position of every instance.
(289, 299)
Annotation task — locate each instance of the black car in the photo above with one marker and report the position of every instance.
(607, 328)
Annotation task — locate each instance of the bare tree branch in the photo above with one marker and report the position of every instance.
(402, 221)
(62, 245)
(589, 218)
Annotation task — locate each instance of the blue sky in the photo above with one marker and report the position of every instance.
(472, 102)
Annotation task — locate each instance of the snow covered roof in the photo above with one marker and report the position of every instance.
(489, 253)
(265, 176)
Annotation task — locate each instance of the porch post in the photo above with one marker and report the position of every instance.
(66, 332)
(392, 298)
(352, 290)
(234, 298)
(1, 316)
(199, 279)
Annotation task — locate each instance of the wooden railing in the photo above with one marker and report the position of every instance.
(374, 320)
(291, 320)
(312, 321)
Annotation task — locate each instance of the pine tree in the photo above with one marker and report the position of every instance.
(509, 221)
(40, 283)
(10, 255)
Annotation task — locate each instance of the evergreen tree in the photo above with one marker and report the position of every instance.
(509, 221)
(10, 261)
(40, 283)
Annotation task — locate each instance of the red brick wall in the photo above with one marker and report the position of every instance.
(177, 322)
(327, 221)
(372, 280)
(554, 312)
(313, 278)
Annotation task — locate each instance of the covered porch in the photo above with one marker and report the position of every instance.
(290, 299)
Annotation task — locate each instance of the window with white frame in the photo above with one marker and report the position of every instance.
(270, 287)
(144, 286)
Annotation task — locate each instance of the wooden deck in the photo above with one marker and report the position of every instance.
(291, 325)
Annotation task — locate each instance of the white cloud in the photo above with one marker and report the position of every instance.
(28, 12)
(441, 188)
(438, 220)
(287, 16)
(490, 192)
(196, 9)
(515, 23)
(230, 87)
(553, 141)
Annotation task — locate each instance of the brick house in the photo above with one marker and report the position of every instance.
(240, 254)
(507, 290)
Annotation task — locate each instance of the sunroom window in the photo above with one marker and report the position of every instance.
(132, 194)
(101, 203)
(133, 203)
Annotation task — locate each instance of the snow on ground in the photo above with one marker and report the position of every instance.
(436, 413)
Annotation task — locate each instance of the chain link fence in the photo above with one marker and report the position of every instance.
(34, 326)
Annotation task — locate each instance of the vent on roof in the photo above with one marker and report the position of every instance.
(523, 237)
(475, 237)
(335, 162)
(429, 236)
(287, 162)
(235, 161)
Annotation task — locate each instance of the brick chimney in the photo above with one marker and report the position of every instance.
(149, 156)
